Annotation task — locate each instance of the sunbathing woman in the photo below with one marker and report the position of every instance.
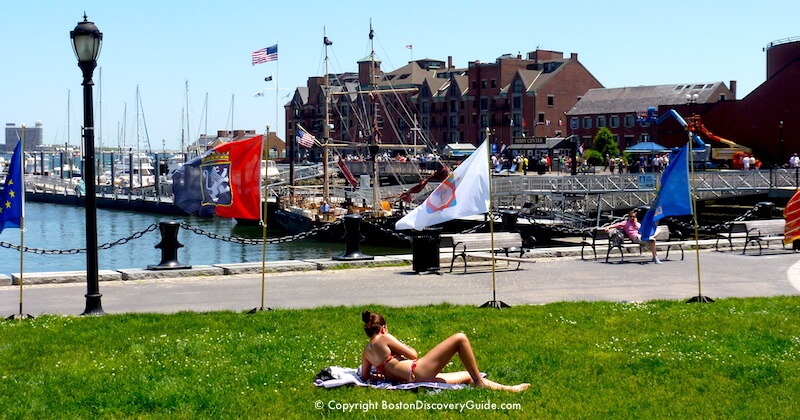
(396, 361)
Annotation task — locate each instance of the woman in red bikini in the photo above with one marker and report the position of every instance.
(396, 361)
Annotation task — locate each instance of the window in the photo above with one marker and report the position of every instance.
(517, 102)
(484, 121)
(614, 123)
(601, 122)
(616, 138)
(494, 83)
(453, 106)
(629, 120)
(550, 100)
(541, 118)
(454, 121)
(722, 97)
(644, 137)
(587, 122)
(516, 118)
(461, 119)
(484, 103)
(573, 123)
(425, 107)
(483, 84)
(433, 121)
(517, 87)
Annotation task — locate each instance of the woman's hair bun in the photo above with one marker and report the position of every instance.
(365, 316)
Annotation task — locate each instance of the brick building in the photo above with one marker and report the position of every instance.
(618, 109)
(765, 120)
(432, 99)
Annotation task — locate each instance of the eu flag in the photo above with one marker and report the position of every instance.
(12, 198)
(674, 197)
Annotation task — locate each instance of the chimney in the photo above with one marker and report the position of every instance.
(733, 89)
(449, 61)
(573, 56)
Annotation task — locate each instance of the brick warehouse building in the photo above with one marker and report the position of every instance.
(512, 96)
(753, 121)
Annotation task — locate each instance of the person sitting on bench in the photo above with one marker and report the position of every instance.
(631, 229)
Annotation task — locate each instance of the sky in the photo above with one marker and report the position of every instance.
(161, 46)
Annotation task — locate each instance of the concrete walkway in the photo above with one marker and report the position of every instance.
(549, 279)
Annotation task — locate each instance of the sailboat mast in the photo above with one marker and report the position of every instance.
(326, 129)
(374, 148)
(188, 131)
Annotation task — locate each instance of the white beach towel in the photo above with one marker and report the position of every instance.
(339, 376)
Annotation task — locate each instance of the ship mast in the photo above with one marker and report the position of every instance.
(375, 134)
(326, 129)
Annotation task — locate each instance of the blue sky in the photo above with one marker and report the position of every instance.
(160, 45)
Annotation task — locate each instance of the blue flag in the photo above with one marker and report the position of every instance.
(674, 197)
(12, 198)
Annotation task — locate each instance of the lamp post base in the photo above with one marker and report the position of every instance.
(93, 305)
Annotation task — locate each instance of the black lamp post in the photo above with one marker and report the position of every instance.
(86, 42)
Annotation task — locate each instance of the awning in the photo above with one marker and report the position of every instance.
(646, 147)
(459, 149)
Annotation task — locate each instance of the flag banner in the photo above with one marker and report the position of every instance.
(580, 150)
(791, 232)
(268, 79)
(347, 174)
(409, 46)
(12, 198)
(304, 138)
(465, 192)
(265, 55)
(673, 197)
(225, 181)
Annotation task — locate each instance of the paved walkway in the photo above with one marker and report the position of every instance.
(722, 275)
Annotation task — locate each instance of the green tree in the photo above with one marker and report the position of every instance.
(605, 144)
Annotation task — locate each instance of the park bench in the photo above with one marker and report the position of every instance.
(482, 245)
(599, 237)
(763, 232)
(753, 232)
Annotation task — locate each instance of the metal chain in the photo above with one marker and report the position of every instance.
(719, 227)
(259, 241)
(398, 235)
(135, 235)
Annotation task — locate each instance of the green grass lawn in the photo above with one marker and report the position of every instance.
(736, 358)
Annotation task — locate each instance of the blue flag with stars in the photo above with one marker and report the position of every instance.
(12, 198)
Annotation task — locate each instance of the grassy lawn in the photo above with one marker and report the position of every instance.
(736, 358)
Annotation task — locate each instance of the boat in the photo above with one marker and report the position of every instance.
(379, 200)
(134, 170)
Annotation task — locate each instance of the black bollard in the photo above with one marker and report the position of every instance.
(764, 210)
(352, 239)
(509, 218)
(169, 247)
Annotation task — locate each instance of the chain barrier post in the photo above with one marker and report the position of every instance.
(352, 236)
(169, 247)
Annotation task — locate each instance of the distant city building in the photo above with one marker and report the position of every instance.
(33, 136)
(512, 97)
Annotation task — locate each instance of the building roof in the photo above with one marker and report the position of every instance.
(630, 99)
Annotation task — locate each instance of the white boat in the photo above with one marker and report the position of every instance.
(269, 170)
(135, 170)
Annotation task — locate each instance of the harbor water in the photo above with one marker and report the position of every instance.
(55, 227)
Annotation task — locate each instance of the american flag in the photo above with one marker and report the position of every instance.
(265, 55)
(304, 138)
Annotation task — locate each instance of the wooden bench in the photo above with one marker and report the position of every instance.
(736, 230)
(479, 245)
(598, 237)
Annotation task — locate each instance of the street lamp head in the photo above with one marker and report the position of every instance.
(86, 41)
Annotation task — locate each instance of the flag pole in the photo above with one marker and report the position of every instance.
(263, 217)
(21, 167)
(699, 298)
(494, 303)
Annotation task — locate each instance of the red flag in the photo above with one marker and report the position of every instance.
(244, 177)
(792, 214)
(347, 174)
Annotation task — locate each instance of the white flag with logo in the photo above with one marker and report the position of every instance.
(465, 192)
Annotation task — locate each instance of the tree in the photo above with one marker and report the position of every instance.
(605, 144)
